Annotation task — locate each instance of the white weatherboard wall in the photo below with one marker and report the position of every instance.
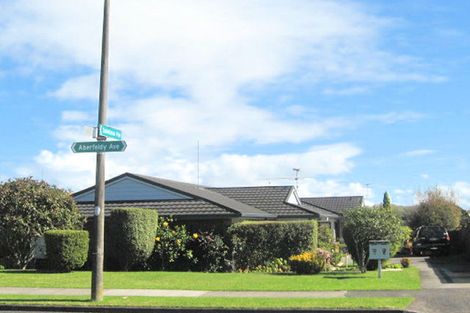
(131, 189)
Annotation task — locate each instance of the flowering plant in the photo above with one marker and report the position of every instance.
(311, 262)
(405, 262)
(170, 244)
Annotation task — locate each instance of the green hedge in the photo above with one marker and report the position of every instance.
(131, 236)
(256, 243)
(66, 249)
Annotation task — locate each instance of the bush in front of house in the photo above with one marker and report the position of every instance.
(171, 250)
(131, 236)
(326, 242)
(28, 208)
(210, 252)
(66, 249)
(325, 236)
(258, 243)
(278, 265)
(369, 223)
(310, 262)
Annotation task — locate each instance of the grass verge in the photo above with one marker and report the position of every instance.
(211, 302)
(408, 279)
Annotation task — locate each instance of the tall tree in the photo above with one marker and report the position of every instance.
(387, 201)
(437, 207)
(28, 208)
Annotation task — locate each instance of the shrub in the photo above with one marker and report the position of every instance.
(28, 208)
(326, 242)
(2, 267)
(325, 236)
(391, 265)
(131, 236)
(438, 208)
(312, 262)
(278, 265)
(210, 252)
(66, 249)
(405, 262)
(465, 235)
(364, 224)
(171, 244)
(256, 243)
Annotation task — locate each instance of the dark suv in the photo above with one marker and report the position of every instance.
(434, 239)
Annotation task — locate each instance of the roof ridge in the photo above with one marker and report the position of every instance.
(247, 187)
(206, 194)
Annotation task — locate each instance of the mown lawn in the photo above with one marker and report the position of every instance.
(408, 279)
(211, 302)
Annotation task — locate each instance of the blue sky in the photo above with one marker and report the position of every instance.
(362, 96)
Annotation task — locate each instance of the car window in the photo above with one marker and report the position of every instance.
(432, 232)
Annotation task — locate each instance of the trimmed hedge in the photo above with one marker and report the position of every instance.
(66, 249)
(256, 243)
(131, 236)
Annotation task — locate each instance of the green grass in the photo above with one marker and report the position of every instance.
(211, 302)
(408, 279)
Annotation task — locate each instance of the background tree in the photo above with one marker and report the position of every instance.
(367, 223)
(437, 207)
(387, 201)
(28, 208)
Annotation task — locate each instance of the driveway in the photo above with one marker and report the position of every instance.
(445, 283)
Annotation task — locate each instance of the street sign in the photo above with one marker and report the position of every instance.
(109, 132)
(379, 250)
(99, 146)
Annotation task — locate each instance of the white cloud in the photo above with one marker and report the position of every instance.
(77, 170)
(356, 90)
(425, 176)
(462, 192)
(418, 153)
(78, 88)
(332, 187)
(76, 116)
(223, 44)
(395, 117)
(215, 56)
(404, 196)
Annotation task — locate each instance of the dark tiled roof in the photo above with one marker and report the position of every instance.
(320, 211)
(271, 199)
(211, 200)
(188, 208)
(335, 204)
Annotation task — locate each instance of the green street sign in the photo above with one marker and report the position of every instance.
(109, 132)
(99, 146)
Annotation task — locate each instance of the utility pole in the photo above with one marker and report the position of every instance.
(98, 229)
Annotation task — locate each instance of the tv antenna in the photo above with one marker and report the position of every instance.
(296, 179)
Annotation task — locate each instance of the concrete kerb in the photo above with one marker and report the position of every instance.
(200, 293)
(110, 309)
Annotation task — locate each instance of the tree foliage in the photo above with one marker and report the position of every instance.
(387, 201)
(171, 244)
(256, 243)
(28, 208)
(367, 223)
(437, 207)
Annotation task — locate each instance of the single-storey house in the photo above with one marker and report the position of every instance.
(334, 208)
(205, 207)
